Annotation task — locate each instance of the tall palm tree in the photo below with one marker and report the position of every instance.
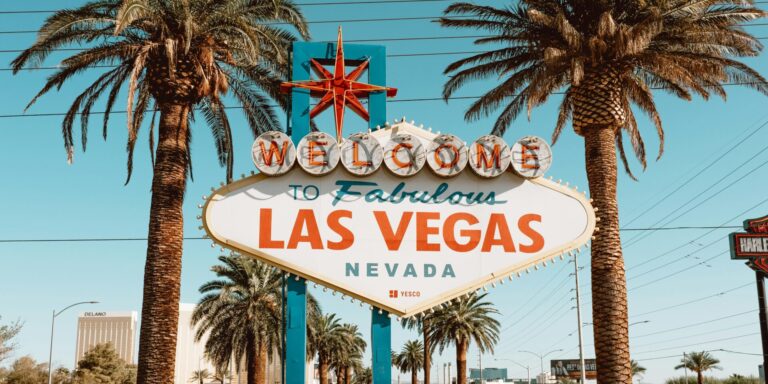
(241, 314)
(411, 359)
(200, 376)
(699, 362)
(176, 57)
(422, 323)
(605, 55)
(327, 340)
(462, 321)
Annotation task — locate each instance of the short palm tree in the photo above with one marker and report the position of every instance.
(462, 321)
(350, 356)
(422, 323)
(365, 376)
(699, 362)
(411, 359)
(606, 56)
(327, 339)
(200, 376)
(176, 57)
(241, 313)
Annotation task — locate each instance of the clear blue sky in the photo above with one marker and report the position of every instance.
(47, 199)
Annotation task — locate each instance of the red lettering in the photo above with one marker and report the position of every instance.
(391, 238)
(273, 152)
(440, 161)
(537, 241)
(449, 229)
(497, 233)
(423, 231)
(482, 156)
(334, 223)
(305, 219)
(265, 230)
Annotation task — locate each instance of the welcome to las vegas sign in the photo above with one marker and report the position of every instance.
(396, 218)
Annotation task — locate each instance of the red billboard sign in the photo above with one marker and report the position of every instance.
(752, 245)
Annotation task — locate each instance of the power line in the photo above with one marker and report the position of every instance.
(411, 100)
(687, 181)
(750, 324)
(700, 343)
(35, 11)
(693, 301)
(694, 324)
(703, 262)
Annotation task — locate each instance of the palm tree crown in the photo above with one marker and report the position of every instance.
(170, 51)
(699, 362)
(462, 321)
(410, 359)
(604, 53)
(241, 313)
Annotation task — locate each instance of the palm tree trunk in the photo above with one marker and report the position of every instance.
(348, 375)
(609, 291)
(252, 360)
(162, 271)
(261, 362)
(323, 370)
(699, 377)
(414, 377)
(461, 361)
(427, 351)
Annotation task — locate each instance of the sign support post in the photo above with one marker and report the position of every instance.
(296, 331)
(381, 345)
(760, 280)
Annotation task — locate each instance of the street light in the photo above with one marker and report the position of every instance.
(53, 322)
(541, 357)
(527, 367)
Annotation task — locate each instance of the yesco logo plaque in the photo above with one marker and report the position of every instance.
(402, 238)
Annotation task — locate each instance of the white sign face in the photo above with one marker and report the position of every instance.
(318, 153)
(403, 245)
(273, 153)
(531, 157)
(361, 154)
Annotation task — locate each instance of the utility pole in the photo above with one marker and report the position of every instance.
(582, 369)
(685, 365)
(480, 363)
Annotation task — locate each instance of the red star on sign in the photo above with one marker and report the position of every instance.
(338, 89)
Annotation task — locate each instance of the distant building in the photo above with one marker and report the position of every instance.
(190, 355)
(489, 374)
(118, 328)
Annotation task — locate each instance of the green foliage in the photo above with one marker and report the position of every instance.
(692, 380)
(7, 333)
(466, 319)
(172, 52)
(411, 357)
(365, 376)
(25, 370)
(739, 379)
(102, 365)
(200, 376)
(637, 369)
(538, 48)
(699, 362)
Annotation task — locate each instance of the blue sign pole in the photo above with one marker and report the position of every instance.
(381, 345)
(296, 302)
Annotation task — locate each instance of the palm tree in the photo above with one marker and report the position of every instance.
(200, 376)
(350, 356)
(699, 362)
(241, 313)
(327, 339)
(605, 55)
(422, 323)
(462, 321)
(411, 358)
(176, 57)
(365, 376)
(637, 369)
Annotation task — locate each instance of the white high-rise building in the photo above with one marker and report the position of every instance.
(190, 354)
(118, 328)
